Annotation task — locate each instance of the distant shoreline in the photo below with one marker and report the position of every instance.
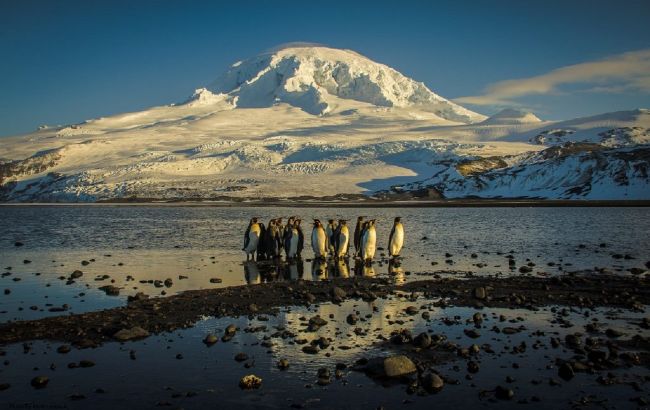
(449, 203)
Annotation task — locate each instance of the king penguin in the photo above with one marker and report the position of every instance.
(329, 232)
(396, 238)
(252, 238)
(292, 241)
(357, 236)
(341, 240)
(369, 242)
(319, 240)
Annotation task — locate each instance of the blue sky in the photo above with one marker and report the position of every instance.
(66, 61)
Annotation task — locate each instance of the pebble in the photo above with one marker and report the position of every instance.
(250, 381)
(40, 382)
(130, 334)
(210, 339)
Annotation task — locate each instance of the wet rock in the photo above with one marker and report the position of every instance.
(397, 366)
(18, 243)
(76, 274)
(86, 363)
(210, 339)
(597, 356)
(168, 282)
(250, 382)
(480, 293)
(216, 280)
(636, 271)
(504, 393)
(137, 297)
(241, 357)
(411, 310)
(4, 386)
(472, 367)
(63, 349)
(472, 333)
(40, 382)
(110, 290)
(338, 294)
(432, 382)
(283, 364)
(423, 340)
(566, 372)
(402, 337)
(316, 323)
(310, 349)
(525, 269)
(352, 319)
(324, 373)
(613, 333)
(26, 261)
(573, 341)
(131, 334)
(477, 318)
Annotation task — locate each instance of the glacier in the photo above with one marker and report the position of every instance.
(317, 122)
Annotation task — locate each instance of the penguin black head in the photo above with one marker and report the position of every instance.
(317, 222)
(360, 219)
(254, 220)
(398, 219)
(343, 222)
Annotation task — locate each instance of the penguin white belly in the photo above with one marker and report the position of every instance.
(253, 239)
(319, 242)
(344, 240)
(397, 241)
(293, 244)
(369, 244)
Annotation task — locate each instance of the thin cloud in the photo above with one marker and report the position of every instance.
(620, 73)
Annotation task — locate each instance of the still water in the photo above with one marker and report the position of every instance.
(131, 247)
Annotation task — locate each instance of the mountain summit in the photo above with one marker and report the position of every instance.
(322, 80)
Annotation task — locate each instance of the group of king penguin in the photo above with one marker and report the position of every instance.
(332, 239)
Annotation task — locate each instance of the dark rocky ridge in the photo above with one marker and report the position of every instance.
(183, 310)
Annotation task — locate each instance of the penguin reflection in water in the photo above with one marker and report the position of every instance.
(319, 269)
(252, 238)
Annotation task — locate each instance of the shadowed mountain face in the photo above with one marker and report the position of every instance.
(320, 122)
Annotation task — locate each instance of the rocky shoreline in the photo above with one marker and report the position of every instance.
(143, 315)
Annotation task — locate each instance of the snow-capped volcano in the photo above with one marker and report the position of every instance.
(319, 122)
(318, 80)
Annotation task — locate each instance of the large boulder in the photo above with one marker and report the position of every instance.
(397, 366)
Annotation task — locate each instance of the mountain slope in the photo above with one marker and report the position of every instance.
(320, 79)
(321, 122)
